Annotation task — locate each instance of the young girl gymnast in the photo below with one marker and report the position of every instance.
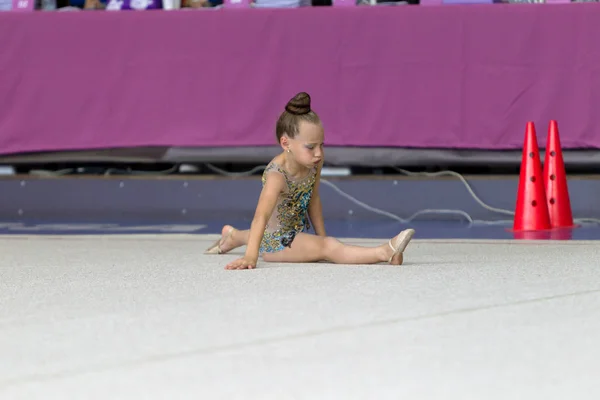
(290, 201)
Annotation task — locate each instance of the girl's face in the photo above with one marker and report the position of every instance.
(307, 147)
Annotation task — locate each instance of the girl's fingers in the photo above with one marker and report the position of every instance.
(240, 264)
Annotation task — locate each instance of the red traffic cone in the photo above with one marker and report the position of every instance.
(555, 181)
(531, 210)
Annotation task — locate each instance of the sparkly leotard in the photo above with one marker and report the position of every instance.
(290, 215)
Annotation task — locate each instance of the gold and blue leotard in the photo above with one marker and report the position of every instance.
(290, 215)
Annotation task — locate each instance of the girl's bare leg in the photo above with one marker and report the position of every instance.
(311, 248)
(231, 238)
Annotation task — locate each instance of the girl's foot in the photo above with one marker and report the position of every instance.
(225, 243)
(395, 247)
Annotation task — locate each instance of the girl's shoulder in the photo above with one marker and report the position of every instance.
(274, 166)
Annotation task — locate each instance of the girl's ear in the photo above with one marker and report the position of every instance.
(284, 142)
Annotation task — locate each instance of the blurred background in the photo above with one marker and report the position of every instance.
(159, 115)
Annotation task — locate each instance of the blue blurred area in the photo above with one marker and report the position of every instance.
(336, 228)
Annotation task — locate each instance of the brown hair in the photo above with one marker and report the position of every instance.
(296, 110)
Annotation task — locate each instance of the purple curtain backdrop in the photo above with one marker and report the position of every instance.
(443, 77)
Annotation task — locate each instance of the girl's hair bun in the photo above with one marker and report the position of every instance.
(299, 105)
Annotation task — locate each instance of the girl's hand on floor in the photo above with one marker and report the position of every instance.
(242, 263)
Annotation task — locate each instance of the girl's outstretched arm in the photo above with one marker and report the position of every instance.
(315, 209)
(274, 185)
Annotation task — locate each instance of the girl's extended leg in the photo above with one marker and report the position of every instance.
(311, 248)
(231, 238)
